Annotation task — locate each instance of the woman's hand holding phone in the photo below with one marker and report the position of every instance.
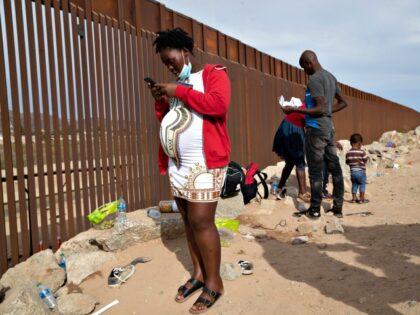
(156, 91)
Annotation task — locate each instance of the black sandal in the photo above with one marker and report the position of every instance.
(206, 302)
(186, 292)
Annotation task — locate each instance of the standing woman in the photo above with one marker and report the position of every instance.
(289, 144)
(195, 150)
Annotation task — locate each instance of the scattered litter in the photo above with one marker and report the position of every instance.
(106, 307)
(229, 224)
(229, 272)
(410, 163)
(301, 207)
(120, 275)
(412, 303)
(390, 144)
(377, 174)
(396, 165)
(246, 266)
(227, 229)
(226, 237)
(167, 206)
(241, 252)
(104, 217)
(249, 237)
(362, 214)
(282, 223)
(300, 240)
(154, 213)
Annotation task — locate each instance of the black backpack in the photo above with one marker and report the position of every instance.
(256, 177)
(234, 178)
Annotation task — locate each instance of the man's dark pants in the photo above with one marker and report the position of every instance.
(320, 146)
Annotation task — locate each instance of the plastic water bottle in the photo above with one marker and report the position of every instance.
(153, 213)
(62, 261)
(122, 212)
(46, 295)
(274, 185)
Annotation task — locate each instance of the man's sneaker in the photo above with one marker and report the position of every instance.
(336, 212)
(313, 213)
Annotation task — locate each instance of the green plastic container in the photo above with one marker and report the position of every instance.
(103, 212)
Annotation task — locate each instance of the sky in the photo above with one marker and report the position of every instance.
(370, 45)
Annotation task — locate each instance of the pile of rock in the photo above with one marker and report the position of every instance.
(85, 255)
(389, 152)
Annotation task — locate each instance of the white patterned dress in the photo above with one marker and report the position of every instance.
(181, 135)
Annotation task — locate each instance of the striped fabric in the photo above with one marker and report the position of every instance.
(357, 159)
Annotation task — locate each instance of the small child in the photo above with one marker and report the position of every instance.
(356, 158)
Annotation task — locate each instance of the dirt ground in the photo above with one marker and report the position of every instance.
(373, 268)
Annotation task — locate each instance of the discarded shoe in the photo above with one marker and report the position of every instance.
(120, 275)
(246, 266)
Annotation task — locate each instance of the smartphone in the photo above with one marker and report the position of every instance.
(150, 82)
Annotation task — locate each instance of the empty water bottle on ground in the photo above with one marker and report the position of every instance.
(274, 184)
(122, 212)
(62, 261)
(153, 213)
(46, 295)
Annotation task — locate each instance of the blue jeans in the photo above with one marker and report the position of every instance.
(358, 181)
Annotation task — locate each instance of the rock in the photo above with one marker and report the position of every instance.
(322, 246)
(256, 233)
(40, 267)
(76, 304)
(269, 205)
(345, 144)
(229, 271)
(306, 228)
(62, 291)
(402, 149)
(3, 291)
(80, 266)
(266, 216)
(392, 136)
(300, 240)
(413, 141)
(385, 163)
(140, 228)
(289, 201)
(334, 227)
(274, 169)
(23, 299)
(231, 207)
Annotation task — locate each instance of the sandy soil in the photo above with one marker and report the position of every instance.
(373, 268)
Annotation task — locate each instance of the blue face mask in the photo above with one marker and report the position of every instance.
(185, 72)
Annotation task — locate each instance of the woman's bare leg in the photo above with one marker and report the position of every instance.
(201, 218)
(199, 271)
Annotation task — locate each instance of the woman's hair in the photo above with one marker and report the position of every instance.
(176, 38)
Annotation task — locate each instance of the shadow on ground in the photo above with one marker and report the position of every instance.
(388, 272)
